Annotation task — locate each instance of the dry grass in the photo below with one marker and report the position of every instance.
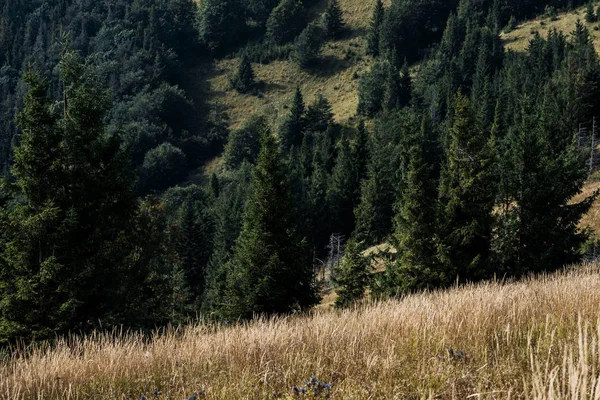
(518, 39)
(336, 77)
(538, 339)
(592, 219)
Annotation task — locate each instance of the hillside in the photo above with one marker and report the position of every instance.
(536, 339)
(337, 78)
(519, 38)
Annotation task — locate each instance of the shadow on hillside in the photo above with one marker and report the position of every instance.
(329, 66)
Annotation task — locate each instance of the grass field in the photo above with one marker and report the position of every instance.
(518, 39)
(341, 64)
(536, 339)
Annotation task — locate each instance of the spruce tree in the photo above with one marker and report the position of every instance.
(416, 221)
(73, 223)
(375, 29)
(271, 269)
(342, 193)
(244, 80)
(590, 15)
(352, 276)
(292, 130)
(308, 45)
(333, 20)
(467, 195)
(319, 115)
(286, 21)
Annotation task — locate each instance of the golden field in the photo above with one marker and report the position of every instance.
(535, 339)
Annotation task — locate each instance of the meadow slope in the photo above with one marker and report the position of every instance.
(536, 339)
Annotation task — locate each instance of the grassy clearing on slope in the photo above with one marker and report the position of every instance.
(518, 39)
(336, 76)
(537, 339)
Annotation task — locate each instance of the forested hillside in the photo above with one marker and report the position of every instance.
(164, 159)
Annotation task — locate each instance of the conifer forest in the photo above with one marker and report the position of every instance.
(129, 198)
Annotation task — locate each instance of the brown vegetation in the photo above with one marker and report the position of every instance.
(537, 339)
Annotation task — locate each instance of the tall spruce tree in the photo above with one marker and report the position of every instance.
(373, 37)
(271, 269)
(244, 80)
(291, 132)
(333, 20)
(416, 220)
(68, 228)
(467, 195)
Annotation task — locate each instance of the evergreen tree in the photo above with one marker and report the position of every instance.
(375, 29)
(342, 193)
(333, 20)
(271, 271)
(244, 80)
(286, 21)
(220, 23)
(69, 229)
(590, 16)
(352, 276)
(416, 222)
(543, 183)
(467, 195)
(292, 130)
(193, 250)
(319, 115)
(307, 47)
(244, 143)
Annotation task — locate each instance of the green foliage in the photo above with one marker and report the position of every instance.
(286, 21)
(220, 22)
(416, 235)
(307, 48)
(271, 271)
(467, 195)
(163, 166)
(333, 20)
(292, 130)
(244, 143)
(352, 276)
(590, 15)
(319, 115)
(375, 29)
(378, 86)
(244, 80)
(70, 228)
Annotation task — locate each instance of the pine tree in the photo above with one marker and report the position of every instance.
(319, 115)
(292, 130)
(286, 21)
(342, 193)
(333, 20)
(352, 276)
(72, 226)
(271, 270)
(405, 86)
(308, 45)
(375, 29)
(590, 16)
(467, 195)
(244, 80)
(416, 222)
